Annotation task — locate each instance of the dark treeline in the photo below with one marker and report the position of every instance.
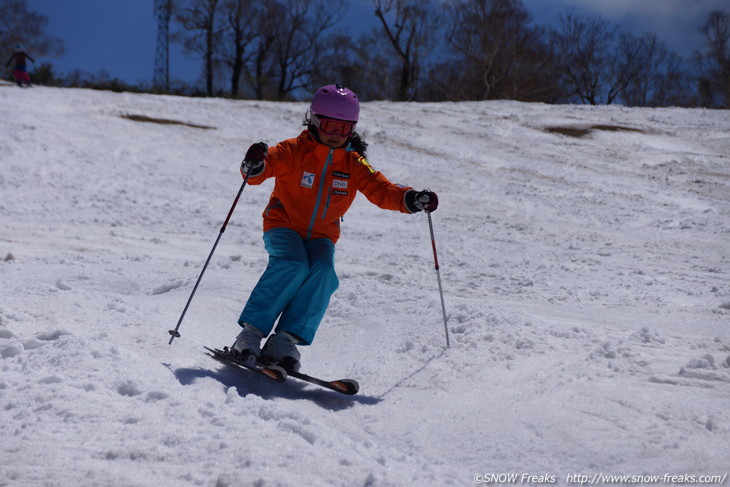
(435, 50)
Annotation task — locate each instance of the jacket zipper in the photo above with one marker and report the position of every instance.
(327, 163)
(327, 204)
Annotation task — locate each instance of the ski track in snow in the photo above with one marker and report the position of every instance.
(586, 282)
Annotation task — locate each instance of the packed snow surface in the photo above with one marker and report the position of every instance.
(586, 283)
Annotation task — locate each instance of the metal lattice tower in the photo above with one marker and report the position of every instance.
(163, 12)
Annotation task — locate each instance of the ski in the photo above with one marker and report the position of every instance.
(272, 372)
(279, 374)
(343, 386)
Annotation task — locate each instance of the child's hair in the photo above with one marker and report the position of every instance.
(355, 141)
(357, 144)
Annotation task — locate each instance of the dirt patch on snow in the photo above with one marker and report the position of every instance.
(164, 121)
(583, 131)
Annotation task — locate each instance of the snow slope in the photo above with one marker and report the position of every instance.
(587, 283)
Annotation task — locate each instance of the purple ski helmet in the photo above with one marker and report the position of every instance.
(336, 101)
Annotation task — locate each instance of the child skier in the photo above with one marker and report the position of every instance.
(317, 176)
(20, 72)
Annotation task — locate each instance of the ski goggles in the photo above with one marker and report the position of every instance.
(332, 126)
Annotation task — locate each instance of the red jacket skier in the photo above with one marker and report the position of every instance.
(317, 176)
(20, 73)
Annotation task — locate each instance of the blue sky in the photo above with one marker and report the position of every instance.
(119, 36)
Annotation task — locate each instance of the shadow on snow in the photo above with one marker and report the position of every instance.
(247, 382)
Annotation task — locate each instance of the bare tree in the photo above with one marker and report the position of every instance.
(365, 64)
(490, 39)
(198, 18)
(410, 31)
(240, 31)
(259, 72)
(659, 80)
(298, 42)
(344, 61)
(713, 64)
(585, 45)
(534, 75)
(20, 25)
(600, 66)
(625, 64)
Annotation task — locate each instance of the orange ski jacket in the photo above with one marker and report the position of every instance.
(315, 186)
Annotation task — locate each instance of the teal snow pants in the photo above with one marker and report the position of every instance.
(296, 286)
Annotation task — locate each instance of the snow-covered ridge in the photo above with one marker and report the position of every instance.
(587, 282)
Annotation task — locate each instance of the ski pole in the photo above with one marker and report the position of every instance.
(438, 276)
(175, 333)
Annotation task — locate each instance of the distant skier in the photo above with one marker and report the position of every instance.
(317, 176)
(20, 73)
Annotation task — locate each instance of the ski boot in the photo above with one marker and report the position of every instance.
(247, 346)
(281, 349)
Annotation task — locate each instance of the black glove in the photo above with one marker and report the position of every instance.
(253, 161)
(421, 200)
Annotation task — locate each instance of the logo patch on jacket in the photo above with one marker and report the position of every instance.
(307, 180)
(365, 163)
(343, 175)
(339, 183)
